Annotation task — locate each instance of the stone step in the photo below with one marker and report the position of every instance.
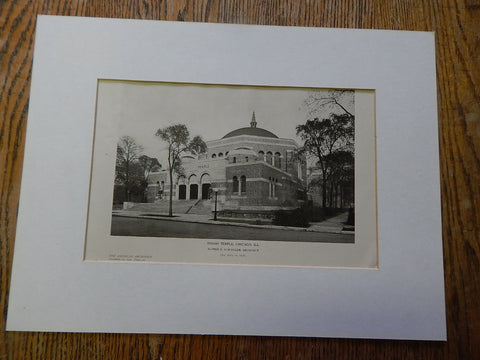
(201, 207)
(179, 206)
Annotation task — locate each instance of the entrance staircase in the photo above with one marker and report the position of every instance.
(179, 207)
(201, 207)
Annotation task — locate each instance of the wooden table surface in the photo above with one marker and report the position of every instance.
(457, 27)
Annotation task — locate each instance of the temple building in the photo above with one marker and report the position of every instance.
(250, 169)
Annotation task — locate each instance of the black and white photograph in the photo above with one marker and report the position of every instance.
(236, 165)
(235, 162)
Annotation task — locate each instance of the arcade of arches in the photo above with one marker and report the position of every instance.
(193, 188)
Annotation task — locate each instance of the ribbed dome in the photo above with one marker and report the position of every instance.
(252, 131)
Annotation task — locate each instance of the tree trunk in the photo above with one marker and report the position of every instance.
(127, 181)
(170, 200)
(330, 193)
(324, 193)
(334, 195)
(339, 197)
(342, 205)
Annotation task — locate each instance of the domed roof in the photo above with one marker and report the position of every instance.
(252, 131)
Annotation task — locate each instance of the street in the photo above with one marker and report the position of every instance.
(130, 226)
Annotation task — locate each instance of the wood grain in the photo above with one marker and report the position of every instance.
(457, 27)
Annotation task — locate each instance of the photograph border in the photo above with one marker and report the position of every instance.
(363, 253)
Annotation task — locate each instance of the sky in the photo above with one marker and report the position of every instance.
(211, 111)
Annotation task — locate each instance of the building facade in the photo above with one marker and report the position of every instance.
(250, 169)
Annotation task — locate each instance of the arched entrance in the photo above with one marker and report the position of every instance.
(205, 191)
(205, 181)
(182, 192)
(193, 187)
(182, 189)
(193, 191)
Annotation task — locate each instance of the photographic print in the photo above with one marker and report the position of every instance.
(238, 165)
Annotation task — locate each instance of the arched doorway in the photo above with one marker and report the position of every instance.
(182, 189)
(205, 191)
(205, 181)
(182, 192)
(192, 180)
(193, 191)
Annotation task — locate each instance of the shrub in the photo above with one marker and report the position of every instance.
(299, 217)
(351, 217)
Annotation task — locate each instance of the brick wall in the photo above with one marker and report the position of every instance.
(265, 186)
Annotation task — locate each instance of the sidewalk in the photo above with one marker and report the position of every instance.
(332, 225)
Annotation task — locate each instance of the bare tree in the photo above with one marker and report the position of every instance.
(127, 169)
(197, 145)
(326, 140)
(329, 138)
(178, 139)
(321, 103)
